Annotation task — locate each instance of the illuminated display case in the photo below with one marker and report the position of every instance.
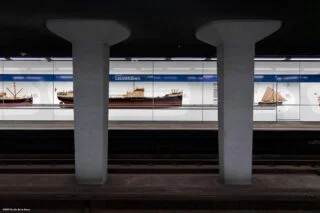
(159, 90)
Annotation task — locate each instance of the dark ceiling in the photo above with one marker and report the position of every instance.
(160, 28)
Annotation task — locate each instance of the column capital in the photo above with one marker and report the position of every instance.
(236, 31)
(89, 30)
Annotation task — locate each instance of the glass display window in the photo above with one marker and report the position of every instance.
(210, 91)
(160, 90)
(178, 84)
(131, 92)
(2, 92)
(63, 87)
(27, 90)
(310, 91)
(264, 89)
(288, 90)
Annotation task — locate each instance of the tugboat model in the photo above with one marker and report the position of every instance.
(132, 100)
(271, 97)
(15, 100)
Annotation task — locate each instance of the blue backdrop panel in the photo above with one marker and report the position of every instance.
(159, 78)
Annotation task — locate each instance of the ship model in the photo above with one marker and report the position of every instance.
(15, 100)
(271, 97)
(131, 100)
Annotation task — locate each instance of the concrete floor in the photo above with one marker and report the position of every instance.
(160, 125)
(154, 186)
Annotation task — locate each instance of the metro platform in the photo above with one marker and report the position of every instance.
(160, 192)
(160, 125)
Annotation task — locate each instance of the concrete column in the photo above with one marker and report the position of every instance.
(91, 40)
(235, 41)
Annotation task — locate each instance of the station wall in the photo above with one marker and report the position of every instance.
(297, 83)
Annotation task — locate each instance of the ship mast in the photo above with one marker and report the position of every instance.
(14, 90)
(14, 93)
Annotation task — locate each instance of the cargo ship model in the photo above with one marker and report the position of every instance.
(15, 100)
(271, 97)
(131, 100)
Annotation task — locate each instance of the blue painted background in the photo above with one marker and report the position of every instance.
(158, 78)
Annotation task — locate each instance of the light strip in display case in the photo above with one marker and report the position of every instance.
(262, 68)
(287, 69)
(60, 59)
(27, 59)
(156, 59)
(261, 59)
(65, 68)
(178, 68)
(124, 68)
(312, 69)
(187, 59)
(205, 68)
(118, 59)
(304, 59)
(269, 59)
(148, 59)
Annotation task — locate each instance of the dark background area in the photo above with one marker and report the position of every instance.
(163, 28)
(158, 142)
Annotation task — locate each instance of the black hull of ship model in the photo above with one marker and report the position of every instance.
(270, 104)
(17, 102)
(133, 103)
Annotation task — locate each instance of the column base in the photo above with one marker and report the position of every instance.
(235, 182)
(91, 181)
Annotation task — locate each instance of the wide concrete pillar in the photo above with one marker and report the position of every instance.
(235, 41)
(91, 40)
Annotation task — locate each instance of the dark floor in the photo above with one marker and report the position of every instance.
(152, 186)
(162, 125)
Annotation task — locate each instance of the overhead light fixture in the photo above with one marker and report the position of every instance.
(27, 59)
(60, 59)
(187, 59)
(148, 59)
(270, 59)
(117, 59)
(304, 59)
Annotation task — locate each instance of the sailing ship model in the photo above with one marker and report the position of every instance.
(131, 100)
(271, 97)
(15, 100)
